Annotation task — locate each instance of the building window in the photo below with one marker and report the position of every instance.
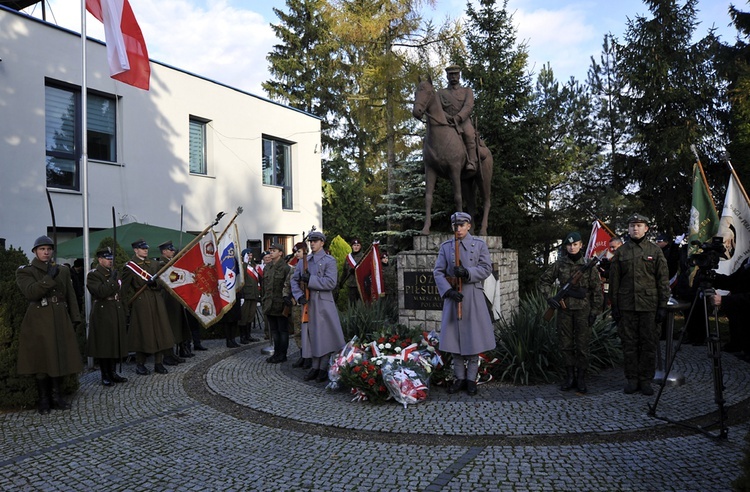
(198, 164)
(62, 132)
(277, 168)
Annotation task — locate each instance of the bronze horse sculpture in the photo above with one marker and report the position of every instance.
(444, 155)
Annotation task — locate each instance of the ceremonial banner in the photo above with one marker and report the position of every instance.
(704, 220)
(231, 276)
(369, 275)
(734, 227)
(598, 240)
(193, 279)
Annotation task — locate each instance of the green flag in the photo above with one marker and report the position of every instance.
(704, 219)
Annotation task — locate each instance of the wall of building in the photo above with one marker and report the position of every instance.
(151, 182)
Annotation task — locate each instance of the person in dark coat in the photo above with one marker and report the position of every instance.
(582, 306)
(248, 297)
(107, 339)
(149, 331)
(473, 334)
(349, 279)
(275, 280)
(47, 346)
(175, 312)
(639, 286)
(321, 333)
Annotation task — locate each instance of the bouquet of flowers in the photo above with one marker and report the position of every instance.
(350, 354)
(406, 379)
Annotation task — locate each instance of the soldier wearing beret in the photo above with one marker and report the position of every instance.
(107, 340)
(639, 287)
(322, 334)
(249, 297)
(149, 331)
(473, 334)
(351, 262)
(458, 103)
(574, 320)
(276, 278)
(47, 346)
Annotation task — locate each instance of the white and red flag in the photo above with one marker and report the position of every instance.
(194, 280)
(231, 276)
(369, 275)
(598, 241)
(126, 49)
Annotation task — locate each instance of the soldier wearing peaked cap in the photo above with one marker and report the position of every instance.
(639, 287)
(107, 340)
(47, 346)
(582, 306)
(458, 103)
(473, 334)
(149, 331)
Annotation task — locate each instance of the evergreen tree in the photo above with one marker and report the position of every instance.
(672, 97)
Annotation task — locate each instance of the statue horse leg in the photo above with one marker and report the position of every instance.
(485, 185)
(430, 179)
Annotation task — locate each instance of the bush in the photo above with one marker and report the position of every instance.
(363, 320)
(527, 345)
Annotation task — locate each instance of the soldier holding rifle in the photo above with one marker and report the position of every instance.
(577, 308)
(462, 265)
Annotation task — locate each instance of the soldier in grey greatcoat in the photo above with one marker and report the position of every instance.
(107, 339)
(149, 331)
(639, 287)
(322, 334)
(581, 307)
(47, 345)
(473, 334)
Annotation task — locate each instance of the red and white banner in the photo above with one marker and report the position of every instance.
(598, 241)
(369, 274)
(126, 49)
(194, 280)
(231, 276)
(734, 227)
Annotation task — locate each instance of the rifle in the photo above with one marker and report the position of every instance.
(457, 261)
(54, 226)
(558, 301)
(305, 312)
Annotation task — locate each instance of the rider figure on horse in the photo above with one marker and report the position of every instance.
(458, 102)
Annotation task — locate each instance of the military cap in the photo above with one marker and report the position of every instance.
(166, 245)
(663, 237)
(263, 254)
(139, 243)
(572, 237)
(245, 252)
(316, 236)
(636, 218)
(299, 246)
(460, 218)
(277, 246)
(452, 69)
(78, 262)
(43, 241)
(355, 241)
(105, 253)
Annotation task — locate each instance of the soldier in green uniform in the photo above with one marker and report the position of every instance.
(149, 331)
(350, 263)
(47, 346)
(458, 102)
(276, 278)
(581, 308)
(107, 340)
(639, 287)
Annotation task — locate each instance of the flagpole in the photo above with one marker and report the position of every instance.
(236, 214)
(84, 168)
(703, 175)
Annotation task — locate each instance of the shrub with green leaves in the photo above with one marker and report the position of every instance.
(363, 320)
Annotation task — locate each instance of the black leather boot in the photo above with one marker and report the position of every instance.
(581, 380)
(42, 388)
(116, 378)
(570, 379)
(313, 374)
(185, 351)
(104, 368)
(244, 335)
(197, 346)
(458, 385)
(56, 397)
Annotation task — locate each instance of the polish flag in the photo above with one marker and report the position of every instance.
(126, 49)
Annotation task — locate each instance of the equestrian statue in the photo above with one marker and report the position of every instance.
(452, 148)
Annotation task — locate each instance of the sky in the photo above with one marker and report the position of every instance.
(228, 40)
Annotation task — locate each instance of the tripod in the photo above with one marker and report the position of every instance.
(703, 295)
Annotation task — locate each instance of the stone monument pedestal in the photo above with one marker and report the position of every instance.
(418, 299)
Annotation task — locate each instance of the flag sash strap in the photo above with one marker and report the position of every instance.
(135, 268)
(251, 271)
(351, 261)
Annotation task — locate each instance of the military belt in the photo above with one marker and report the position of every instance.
(44, 301)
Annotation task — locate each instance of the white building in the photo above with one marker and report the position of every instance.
(189, 145)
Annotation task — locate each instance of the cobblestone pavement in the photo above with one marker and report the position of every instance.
(227, 420)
